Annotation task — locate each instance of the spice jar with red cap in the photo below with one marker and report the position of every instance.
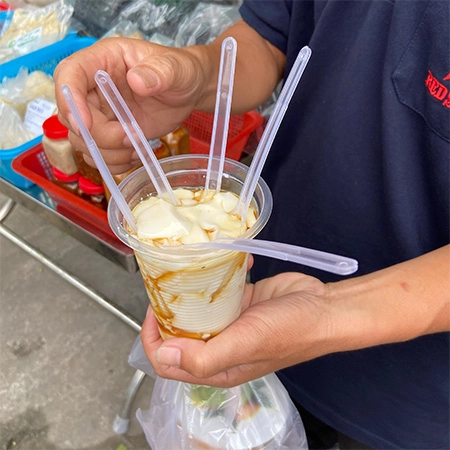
(178, 141)
(93, 193)
(57, 147)
(67, 182)
(160, 148)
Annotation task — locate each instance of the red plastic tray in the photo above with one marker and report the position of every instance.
(33, 164)
(240, 127)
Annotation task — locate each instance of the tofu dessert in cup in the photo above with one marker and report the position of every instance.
(194, 293)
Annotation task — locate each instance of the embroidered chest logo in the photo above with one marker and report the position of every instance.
(438, 90)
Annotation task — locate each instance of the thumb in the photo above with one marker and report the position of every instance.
(144, 80)
(176, 71)
(206, 361)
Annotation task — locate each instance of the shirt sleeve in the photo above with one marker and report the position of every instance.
(272, 19)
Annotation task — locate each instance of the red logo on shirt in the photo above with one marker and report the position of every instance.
(437, 89)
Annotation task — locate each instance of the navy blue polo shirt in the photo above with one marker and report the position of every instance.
(360, 167)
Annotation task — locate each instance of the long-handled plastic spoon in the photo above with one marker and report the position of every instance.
(270, 131)
(136, 136)
(98, 159)
(221, 116)
(329, 262)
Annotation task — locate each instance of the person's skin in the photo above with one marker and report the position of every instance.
(286, 319)
(161, 86)
(291, 318)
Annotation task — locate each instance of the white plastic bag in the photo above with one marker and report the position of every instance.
(31, 29)
(255, 415)
(12, 130)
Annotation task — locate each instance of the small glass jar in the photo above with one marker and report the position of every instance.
(87, 171)
(93, 193)
(160, 149)
(57, 147)
(67, 182)
(178, 141)
(118, 178)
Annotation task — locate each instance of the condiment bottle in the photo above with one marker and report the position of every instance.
(160, 149)
(178, 141)
(118, 178)
(57, 147)
(87, 171)
(93, 193)
(67, 182)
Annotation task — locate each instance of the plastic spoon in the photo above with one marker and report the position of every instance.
(221, 116)
(98, 159)
(270, 131)
(329, 262)
(136, 136)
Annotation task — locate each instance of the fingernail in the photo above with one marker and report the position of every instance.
(147, 76)
(135, 156)
(171, 356)
(149, 311)
(126, 142)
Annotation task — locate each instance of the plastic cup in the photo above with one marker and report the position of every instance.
(194, 293)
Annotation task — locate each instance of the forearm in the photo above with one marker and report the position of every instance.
(259, 68)
(396, 304)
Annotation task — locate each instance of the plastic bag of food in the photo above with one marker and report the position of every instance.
(162, 16)
(258, 414)
(27, 100)
(40, 2)
(32, 29)
(12, 129)
(160, 39)
(255, 415)
(5, 20)
(205, 23)
(124, 28)
(18, 91)
(99, 15)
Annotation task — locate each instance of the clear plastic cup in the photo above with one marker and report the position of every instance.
(194, 293)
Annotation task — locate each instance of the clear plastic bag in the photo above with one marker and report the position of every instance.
(18, 91)
(205, 23)
(162, 16)
(124, 28)
(138, 359)
(31, 29)
(256, 415)
(12, 129)
(99, 15)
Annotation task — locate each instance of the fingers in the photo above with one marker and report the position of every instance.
(118, 156)
(78, 70)
(272, 332)
(158, 89)
(191, 360)
(228, 359)
(118, 161)
(251, 261)
(165, 69)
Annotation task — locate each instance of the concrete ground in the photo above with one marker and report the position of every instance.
(63, 358)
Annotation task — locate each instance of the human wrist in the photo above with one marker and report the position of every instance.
(395, 304)
(355, 319)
